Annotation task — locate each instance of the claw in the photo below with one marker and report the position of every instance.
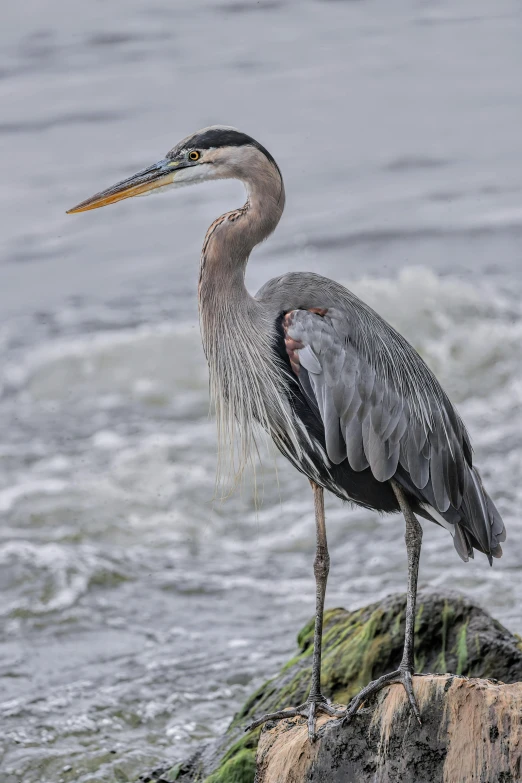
(311, 722)
(401, 675)
(280, 715)
(408, 686)
(309, 710)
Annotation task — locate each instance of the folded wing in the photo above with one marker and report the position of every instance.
(382, 408)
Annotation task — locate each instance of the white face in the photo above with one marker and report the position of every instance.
(194, 174)
(181, 177)
(229, 162)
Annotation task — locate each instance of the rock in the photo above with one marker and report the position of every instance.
(471, 732)
(452, 634)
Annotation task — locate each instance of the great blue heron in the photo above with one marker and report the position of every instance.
(344, 396)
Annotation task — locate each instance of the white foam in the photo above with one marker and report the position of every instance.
(158, 359)
(12, 495)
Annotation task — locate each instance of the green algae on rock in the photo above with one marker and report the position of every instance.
(452, 633)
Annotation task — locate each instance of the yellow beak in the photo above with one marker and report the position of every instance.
(156, 176)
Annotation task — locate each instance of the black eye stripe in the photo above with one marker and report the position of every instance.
(214, 138)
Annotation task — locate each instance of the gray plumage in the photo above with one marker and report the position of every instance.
(342, 394)
(381, 407)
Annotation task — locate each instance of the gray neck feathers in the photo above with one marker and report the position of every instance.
(246, 385)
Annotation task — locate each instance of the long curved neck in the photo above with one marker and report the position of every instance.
(245, 382)
(232, 237)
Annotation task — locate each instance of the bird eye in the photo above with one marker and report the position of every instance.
(194, 155)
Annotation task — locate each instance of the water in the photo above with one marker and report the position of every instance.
(137, 613)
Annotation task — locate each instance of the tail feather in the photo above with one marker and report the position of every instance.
(462, 543)
(498, 531)
(480, 522)
(476, 524)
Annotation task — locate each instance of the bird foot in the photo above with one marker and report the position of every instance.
(403, 676)
(314, 706)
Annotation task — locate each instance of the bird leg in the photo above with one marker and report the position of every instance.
(316, 702)
(404, 673)
(321, 571)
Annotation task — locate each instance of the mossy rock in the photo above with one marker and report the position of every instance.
(452, 635)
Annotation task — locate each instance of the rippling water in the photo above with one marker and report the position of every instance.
(136, 611)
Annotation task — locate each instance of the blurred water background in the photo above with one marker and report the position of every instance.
(137, 612)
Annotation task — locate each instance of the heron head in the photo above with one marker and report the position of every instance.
(217, 152)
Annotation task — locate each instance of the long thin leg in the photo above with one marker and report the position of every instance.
(316, 702)
(413, 538)
(321, 571)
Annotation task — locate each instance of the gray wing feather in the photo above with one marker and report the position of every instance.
(354, 444)
(377, 418)
(309, 361)
(438, 478)
(335, 446)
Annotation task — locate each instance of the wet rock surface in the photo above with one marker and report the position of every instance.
(465, 721)
(471, 731)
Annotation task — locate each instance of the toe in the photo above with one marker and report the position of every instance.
(408, 686)
(311, 722)
(281, 715)
(404, 677)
